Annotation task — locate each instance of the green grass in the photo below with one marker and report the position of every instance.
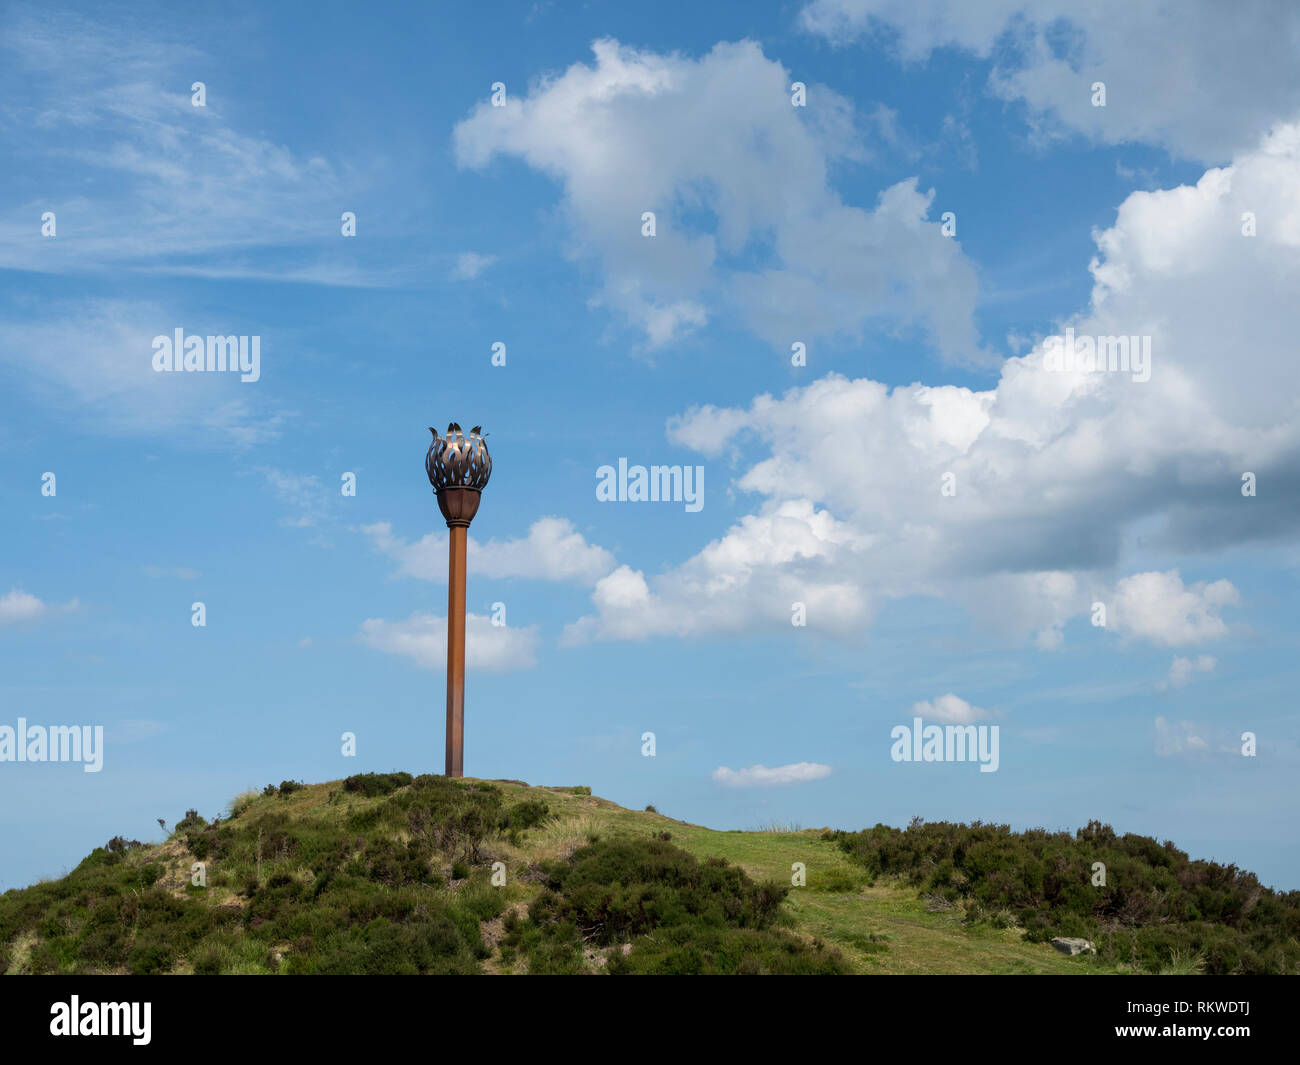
(861, 922)
(385, 874)
(1144, 903)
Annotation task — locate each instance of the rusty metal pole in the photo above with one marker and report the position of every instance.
(458, 467)
(456, 652)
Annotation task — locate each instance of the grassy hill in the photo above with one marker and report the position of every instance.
(389, 874)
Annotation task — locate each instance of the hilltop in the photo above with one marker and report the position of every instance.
(385, 873)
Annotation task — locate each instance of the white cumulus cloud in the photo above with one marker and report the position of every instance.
(18, 606)
(422, 638)
(1183, 670)
(1049, 53)
(1161, 608)
(714, 149)
(1055, 476)
(553, 550)
(951, 710)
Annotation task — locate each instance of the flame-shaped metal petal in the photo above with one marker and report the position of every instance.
(458, 461)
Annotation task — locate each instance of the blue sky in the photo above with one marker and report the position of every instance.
(775, 225)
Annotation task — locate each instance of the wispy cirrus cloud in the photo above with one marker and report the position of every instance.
(181, 573)
(106, 106)
(91, 361)
(760, 776)
(470, 265)
(302, 494)
(1179, 738)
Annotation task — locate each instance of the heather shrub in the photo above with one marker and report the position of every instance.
(679, 914)
(1157, 910)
